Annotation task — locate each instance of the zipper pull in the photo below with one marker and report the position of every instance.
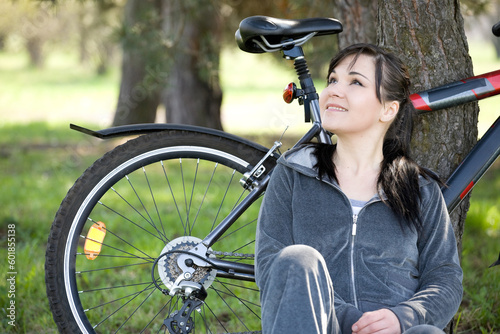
(354, 225)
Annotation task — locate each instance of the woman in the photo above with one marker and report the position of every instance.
(355, 237)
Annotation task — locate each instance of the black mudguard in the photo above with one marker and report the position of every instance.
(140, 129)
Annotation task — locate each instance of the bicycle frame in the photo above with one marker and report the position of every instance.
(486, 150)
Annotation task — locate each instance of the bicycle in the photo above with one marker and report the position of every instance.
(158, 234)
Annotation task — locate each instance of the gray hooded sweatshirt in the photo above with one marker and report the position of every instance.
(373, 262)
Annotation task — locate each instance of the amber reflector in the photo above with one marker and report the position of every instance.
(93, 242)
(289, 92)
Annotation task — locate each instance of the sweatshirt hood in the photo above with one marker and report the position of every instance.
(303, 160)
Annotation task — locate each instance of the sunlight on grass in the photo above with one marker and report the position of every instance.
(59, 93)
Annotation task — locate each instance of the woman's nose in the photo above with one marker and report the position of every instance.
(336, 89)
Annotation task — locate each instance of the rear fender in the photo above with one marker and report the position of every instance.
(140, 129)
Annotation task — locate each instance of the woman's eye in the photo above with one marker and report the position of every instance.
(332, 81)
(356, 82)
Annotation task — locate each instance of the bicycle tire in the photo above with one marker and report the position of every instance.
(148, 192)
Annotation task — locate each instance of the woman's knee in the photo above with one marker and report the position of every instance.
(299, 259)
(299, 255)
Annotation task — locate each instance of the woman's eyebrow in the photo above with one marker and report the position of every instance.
(352, 73)
(357, 73)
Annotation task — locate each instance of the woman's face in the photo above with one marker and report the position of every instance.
(349, 103)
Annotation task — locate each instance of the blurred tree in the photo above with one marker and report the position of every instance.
(141, 81)
(359, 19)
(486, 13)
(192, 94)
(96, 23)
(34, 23)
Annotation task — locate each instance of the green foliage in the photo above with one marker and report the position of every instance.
(480, 248)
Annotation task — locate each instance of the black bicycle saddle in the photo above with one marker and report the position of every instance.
(276, 31)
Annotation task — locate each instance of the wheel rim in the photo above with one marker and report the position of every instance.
(90, 296)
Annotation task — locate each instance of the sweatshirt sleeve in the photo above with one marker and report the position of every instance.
(440, 290)
(274, 230)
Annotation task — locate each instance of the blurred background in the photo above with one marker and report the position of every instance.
(114, 62)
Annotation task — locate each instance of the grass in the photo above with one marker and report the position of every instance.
(40, 160)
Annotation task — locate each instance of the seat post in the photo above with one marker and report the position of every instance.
(306, 83)
(310, 97)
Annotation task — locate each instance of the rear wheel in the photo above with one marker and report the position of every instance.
(112, 253)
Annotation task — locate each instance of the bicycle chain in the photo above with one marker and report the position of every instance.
(219, 253)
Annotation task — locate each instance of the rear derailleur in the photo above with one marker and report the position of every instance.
(181, 322)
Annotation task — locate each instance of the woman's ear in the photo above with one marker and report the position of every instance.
(390, 111)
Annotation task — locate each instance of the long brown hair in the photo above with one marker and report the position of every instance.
(398, 178)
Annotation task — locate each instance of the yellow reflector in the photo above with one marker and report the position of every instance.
(93, 242)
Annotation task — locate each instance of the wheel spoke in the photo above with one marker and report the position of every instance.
(188, 209)
(185, 196)
(216, 317)
(125, 304)
(127, 219)
(122, 251)
(137, 308)
(108, 230)
(111, 268)
(223, 199)
(241, 300)
(209, 183)
(156, 315)
(156, 206)
(173, 196)
(236, 230)
(117, 299)
(150, 221)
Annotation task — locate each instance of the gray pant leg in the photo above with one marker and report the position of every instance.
(424, 329)
(298, 296)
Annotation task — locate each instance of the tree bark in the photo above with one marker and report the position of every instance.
(139, 90)
(359, 19)
(429, 36)
(193, 94)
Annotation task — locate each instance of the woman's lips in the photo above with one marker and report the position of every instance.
(335, 107)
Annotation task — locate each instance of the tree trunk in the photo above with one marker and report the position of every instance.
(429, 36)
(34, 45)
(193, 94)
(139, 88)
(359, 19)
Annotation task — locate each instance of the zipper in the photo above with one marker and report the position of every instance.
(353, 233)
(354, 227)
